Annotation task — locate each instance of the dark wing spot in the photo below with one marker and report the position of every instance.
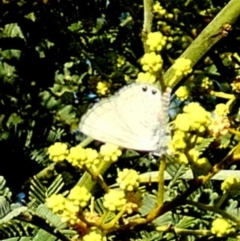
(144, 88)
(154, 92)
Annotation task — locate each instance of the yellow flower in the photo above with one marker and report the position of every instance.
(182, 122)
(151, 62)
(146, 78)
(94, 235)
(156, 41)
(182, 93)
(178, 141)
(221, 109)
(231, 184)
(182, 67)
(70, 213)
(58, 152)
(92, 157)
(206, 83)
(128, 179)
(157, 8)
(110, 152)
(76, 155)
(222, 227)
(114, 200)
(56, 202)
(182, 159)
(194, 154)
(102, 88)
(80, 156)
(80, 196)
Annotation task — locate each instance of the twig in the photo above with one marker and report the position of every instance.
(147, 21)
(207, 39)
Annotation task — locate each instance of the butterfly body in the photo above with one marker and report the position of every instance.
(132, 118)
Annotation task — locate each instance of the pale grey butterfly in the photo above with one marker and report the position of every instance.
(136, 117)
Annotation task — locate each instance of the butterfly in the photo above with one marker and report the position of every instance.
(136, 117)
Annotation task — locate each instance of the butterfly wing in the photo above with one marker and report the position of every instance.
(131, 118)
(137, 106)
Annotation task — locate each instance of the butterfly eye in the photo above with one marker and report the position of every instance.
(154, 92)
(144, 88)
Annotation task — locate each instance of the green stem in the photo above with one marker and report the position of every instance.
(162, 167)
(147, 22)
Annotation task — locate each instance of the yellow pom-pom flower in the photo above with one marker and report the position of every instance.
(206, 83)
(151, 62)
(56, 202)
(114, 200)
(92, 158)
(178, 141)
(182, 93)
(70, 213)
(157, 8)
(58, 152)
(102, 88)
(128, 179)
(80, 196)
(182, 67)
(94, 235)
(231, 184)
(76, 155)
(222, 227)
(156, 41)
(221, 109)
(110, 152)
(80, 156)
(146, 78)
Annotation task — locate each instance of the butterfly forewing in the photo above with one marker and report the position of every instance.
(131, 118)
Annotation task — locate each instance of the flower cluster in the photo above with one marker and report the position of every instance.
(102, 88)
(146, 77)
(221, 109)
(79, 156)
(68, 207)
(151, 62)
(110, 152)
(120, 61)
(206, 83)
(158, 9)
(156, 41)
(114, 200)
(222, 227)
(182, 93)
(94, 235)
(80, 196)
(182, 67)
(128, 179)
(58, 152)
(231, 184)
(219, 125)
(190, 127)
(236, 85)
(194, 118)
